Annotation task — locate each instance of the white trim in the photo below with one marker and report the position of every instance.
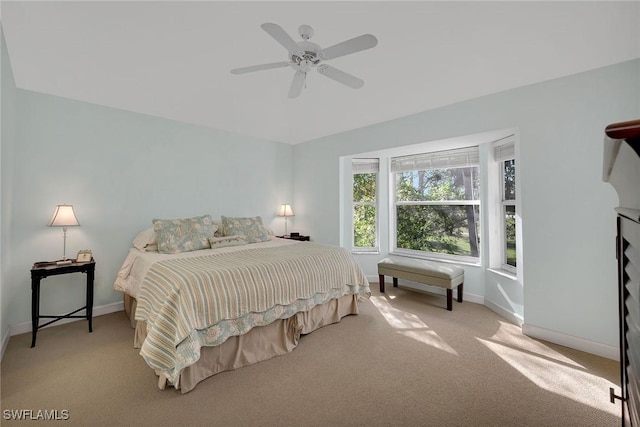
(570, 341)
(24, 327)
(512, 317)
(439, 203)
(5, 342)
(365, 251)
(436, 256)
(466, 297)
(504, 273)
(430, 290)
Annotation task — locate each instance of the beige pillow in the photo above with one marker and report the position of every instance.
(145, 240)
(223, 242)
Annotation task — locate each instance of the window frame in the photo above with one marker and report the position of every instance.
(503, 150)
(376, 204)
(504, 203)
(394, 203)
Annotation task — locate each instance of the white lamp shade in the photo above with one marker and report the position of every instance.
(285, 210)
(63, 217)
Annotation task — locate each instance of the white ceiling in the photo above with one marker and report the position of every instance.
(172, 59)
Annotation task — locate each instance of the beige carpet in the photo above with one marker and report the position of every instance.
(404, 361)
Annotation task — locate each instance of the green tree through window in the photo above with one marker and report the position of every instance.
(432, 226)
(437, 202)
(509, 211)
(365, 189)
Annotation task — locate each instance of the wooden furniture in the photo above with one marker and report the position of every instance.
(432, 273)
(621, 169)
(39, 271)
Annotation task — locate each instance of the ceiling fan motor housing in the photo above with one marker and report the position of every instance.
(305, 31)
(309, 56)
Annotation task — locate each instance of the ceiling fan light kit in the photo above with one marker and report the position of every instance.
(306, 55)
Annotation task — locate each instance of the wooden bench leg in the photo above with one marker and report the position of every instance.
(381, 279)
(395, 282)
(460, 292)
(449, 299)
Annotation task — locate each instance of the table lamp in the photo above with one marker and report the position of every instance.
(64, 217)
(285, 211)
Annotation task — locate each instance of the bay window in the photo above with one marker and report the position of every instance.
(504, 154)
(436, 204)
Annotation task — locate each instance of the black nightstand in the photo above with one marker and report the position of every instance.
(39, 271)
(303, 238)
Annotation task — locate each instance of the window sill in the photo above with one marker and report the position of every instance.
(503, 273)
(365, 252)
(437, 259)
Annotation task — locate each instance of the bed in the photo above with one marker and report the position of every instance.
(200, 312)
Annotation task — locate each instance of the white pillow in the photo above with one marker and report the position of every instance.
(145, 240)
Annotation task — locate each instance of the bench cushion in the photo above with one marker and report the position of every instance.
(422, 271)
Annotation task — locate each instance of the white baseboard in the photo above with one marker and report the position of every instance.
(570, 341)
(504, 312)
(24, 327)
(431, 290)
(5, 342)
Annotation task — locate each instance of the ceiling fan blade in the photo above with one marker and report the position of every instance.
(281, 36)
(297, 83)
(260, 67)
(356, 44)
(340, 76)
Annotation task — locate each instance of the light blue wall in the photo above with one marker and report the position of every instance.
(120, 170)
(7, 121)
(568, 283)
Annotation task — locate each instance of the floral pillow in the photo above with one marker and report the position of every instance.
(183, 235)
(251, 229)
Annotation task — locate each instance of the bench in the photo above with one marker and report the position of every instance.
(432, 273)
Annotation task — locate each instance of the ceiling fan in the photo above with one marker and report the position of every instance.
(305, 55)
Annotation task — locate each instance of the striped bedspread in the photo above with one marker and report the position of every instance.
(201, 301)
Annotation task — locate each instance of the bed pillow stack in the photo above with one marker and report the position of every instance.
(183, 235)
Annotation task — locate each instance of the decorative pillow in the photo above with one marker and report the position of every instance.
(250, 228)
(145, 240)
(183, 235)
(222, 242)
(220, 231)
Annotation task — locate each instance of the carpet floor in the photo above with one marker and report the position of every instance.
(403, 361)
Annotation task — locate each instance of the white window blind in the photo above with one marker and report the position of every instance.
(365, 165)
(463, 157)
(504, 150)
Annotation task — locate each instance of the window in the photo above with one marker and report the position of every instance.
(365, 205)
(437, 204)
(504, 154)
